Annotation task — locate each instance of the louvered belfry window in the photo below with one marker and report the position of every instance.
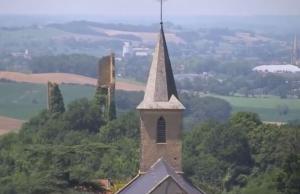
(161, 130)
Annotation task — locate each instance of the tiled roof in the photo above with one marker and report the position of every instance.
(158, 173)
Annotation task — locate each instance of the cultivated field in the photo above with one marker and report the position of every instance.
(147, 37)
(8, 124)
(65, 78)
(269, 109)
(24, 100)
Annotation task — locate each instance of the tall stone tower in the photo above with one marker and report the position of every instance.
(295, 53)
(106, 85)
(161, 113)
(50, 88)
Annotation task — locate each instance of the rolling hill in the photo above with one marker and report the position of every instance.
(64, 78)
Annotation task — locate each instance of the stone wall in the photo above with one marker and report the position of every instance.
(151, 151)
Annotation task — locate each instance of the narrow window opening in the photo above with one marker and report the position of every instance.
(161, 130)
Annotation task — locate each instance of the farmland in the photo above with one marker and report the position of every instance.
(24, 100)
(65, 78)
(269, 109)
(8, 124)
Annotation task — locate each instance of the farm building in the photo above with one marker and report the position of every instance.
(277, 69)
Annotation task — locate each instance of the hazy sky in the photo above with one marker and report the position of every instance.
(150, 7)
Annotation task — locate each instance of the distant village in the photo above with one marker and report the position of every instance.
(138, 50)
(130, 49)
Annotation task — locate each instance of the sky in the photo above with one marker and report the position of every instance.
(151, 7)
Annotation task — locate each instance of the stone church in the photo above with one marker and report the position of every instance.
(161, 132)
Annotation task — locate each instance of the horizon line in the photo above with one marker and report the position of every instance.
(134, 15)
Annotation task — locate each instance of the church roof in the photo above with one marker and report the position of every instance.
(161, 87)
(158, 173)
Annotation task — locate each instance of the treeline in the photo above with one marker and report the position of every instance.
(75, 63)
(198, 109)
(236, 77)
(251, 85)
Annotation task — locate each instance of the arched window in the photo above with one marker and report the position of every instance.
(161, 130)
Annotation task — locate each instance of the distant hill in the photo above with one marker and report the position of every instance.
(117, 31)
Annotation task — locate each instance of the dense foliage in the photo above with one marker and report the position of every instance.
(200, 110)
(235, 78)
(243, 156)
(62, 152)
(59, 152)
(74, 63)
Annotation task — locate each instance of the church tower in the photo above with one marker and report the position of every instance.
(161, 113)
(161, 132)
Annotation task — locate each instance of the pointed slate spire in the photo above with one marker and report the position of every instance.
(161, 73)
(161, 88)
(161, 84)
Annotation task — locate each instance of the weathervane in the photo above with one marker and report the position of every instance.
(161, 11)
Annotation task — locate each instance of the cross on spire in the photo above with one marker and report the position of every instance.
(161, 92)
(161, 12)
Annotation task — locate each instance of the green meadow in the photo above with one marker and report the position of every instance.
(269, 108)
(23, 100)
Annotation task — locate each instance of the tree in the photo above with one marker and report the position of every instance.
(288, 180)
(246, 119)
(200, 110)
(84, 115)
(56, 102)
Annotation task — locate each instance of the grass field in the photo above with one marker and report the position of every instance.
(267, 108)
(22, 101)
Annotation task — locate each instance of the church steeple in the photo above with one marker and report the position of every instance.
(161, 131)
(161, 84)
(161, 89)
(161, 112)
